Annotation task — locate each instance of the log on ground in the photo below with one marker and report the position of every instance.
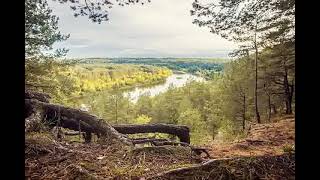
(182, 132)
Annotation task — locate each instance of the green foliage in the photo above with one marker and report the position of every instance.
(98, 77)
(243, 20)
(191, 118)
(52, 77)
(67, 82)
(98, 11)
(42, 71)
(41, 28)
(142, 119)
(144, 106)
(117, 109)
(254, 26)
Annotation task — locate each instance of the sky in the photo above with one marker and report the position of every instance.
(162, 28)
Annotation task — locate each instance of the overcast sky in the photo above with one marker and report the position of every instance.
(162, 28)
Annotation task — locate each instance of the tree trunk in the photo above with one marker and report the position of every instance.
(269, 108)
(288, 93)
(88, 137)
(244, 113)
(116, 113)
(181, 131)
(274, 109)
(256, 79)
(213, 135)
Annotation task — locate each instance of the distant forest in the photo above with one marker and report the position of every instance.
(206, 67)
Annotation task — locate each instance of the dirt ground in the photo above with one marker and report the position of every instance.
(46, 158)
(262, 139)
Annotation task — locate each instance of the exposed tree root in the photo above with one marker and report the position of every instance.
(74, 119)
(264, 167)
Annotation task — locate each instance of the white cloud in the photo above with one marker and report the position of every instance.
(157, 29)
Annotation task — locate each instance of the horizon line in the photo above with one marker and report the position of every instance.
(145, 57)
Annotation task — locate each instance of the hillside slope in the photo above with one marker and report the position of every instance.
(262, 139)
(266, 153)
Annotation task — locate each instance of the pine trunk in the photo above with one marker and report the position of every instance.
(256, 82)
(288, 93)
(244, 113)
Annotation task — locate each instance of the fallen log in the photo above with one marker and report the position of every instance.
(74, 119)
(178, 130)
(71, 118)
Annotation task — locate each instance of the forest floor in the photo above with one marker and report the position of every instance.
(262, 139)
(266, 153)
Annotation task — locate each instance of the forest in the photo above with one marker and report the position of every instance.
(67, 81)
(224, 104)
(206, 67)
(241, 117)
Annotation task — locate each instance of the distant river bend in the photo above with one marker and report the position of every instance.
(175, 80)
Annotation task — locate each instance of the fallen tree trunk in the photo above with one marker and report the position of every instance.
(53, 115)
(70, 118)
(181, 131)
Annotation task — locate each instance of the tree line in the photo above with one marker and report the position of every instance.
(66, 81)
(206, 67)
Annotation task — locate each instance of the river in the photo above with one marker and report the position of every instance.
(175, 80)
